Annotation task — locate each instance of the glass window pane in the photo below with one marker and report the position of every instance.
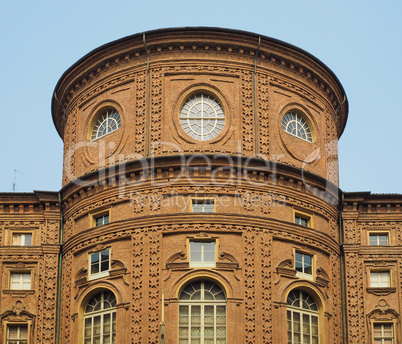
(94, 258)
(196, 256)
(105, 266)
(94, 268)
(17, 239)
(373, 240)
(28, 240)
(209, 256)
(105, 256)
(383, 239)
(197, 207)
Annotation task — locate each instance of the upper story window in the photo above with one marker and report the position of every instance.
(294, 124)
(377, 239)
(17, 334)
(101, 220)
(202, 254)
(302, 219)
(202, 314)
(383, 333)
(20, 280)
(100, 319)
(99, 264)
(380, 279)
(203, 205)
(202, 117)
(22, 239)
(108, 122)
(302, 318)
(304, 265)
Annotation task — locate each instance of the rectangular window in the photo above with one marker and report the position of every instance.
(378, 239)
(304, 265)
(101, 220)
(203, 205)
(202, 253)
(383, 333)
(22, 239)
(380, 279)
(99, 264)
(20, 281)
(302, 220)
(17, 334)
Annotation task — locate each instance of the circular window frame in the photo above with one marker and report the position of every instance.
(194, 91)
(299, 149)
(305, 118)
(97, 114)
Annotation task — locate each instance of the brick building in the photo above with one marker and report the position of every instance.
(200, 203)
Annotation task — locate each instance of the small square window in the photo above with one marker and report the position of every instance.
(377, 239)
(101, 220)
(17, 334)
(383, 333)
(20, 281)
(203, 205)
(302, 220)
(380, 279)
(99, 264)
(304, 265)
(202, 254)
(22, 239)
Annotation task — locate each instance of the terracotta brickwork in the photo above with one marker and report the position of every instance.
(146, 174)
(367, 217)
(252, 214)
(29, 227)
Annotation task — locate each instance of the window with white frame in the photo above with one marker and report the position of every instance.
(20, 280)
(99, 264)
(202, 117)
(202, 253)
(294, 124)
(302, 220)
(380, 279)
(203, 205)
(202, 314)
(100, 319)
(108, 122)
(22, 239)
(378, 239)
(302, 318)
(100, 220)
(304, 265)
(383, 333)
(17, 334)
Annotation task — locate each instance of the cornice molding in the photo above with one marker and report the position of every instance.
(183, 223)
(233, 47)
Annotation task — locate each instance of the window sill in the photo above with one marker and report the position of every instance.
(304, 276)
(381, 291)
(19, 293)
(99, 275)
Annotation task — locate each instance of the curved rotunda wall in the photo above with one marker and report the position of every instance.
(147, 78)
(143, 188)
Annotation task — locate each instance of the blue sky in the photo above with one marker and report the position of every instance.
(360, 41)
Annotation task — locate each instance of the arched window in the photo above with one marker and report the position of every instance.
(302, 318)
(202, 314)
(108, 122)
(294, 124)
(100, 319)
(202, 117)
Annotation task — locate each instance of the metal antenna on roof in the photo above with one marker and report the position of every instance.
(15, 178)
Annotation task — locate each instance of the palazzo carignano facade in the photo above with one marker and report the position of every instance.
(200, 204)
